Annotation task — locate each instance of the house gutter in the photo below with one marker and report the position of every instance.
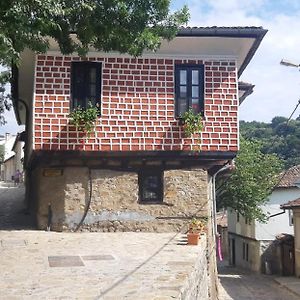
(228, 166)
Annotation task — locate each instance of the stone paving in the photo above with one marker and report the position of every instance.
(125, 265)
(236, 284)
(110, 266)
(13, 214)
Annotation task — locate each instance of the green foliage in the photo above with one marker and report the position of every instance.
(2, 153)
(84, 119)
(127, 26)
(192, 122)
(251, 182)
(196, 226)
(5, 99)
(276, 137)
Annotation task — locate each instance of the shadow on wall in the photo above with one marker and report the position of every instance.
(278, 256)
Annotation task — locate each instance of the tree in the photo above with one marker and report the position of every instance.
(127, 26)
(250, 184)
(279, 137)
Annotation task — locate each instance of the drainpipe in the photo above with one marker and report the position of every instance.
(228, 166)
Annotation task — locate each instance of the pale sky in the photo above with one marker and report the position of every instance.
(277, 88)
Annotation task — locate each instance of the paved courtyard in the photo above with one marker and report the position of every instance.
(241, 285)
(48, 265)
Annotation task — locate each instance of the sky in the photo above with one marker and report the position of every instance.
(277, 88)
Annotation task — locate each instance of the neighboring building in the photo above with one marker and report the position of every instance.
(294, 206)
(18, 149)
(222, 228)
(13, 156)
(8, 165)
(137, 171)
(266, 247)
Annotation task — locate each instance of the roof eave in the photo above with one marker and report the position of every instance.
(256, 33)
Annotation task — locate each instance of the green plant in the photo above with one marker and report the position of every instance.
(192, 122)
(84, 118)
(196, 226)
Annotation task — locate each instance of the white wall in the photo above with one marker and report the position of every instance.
(280, 223)
(239, 226)
(275, 225)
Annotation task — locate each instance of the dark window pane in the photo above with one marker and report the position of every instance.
(195, 91)
(93, 75)
(183, 91)
(195, 77)
(183, 76)
(150, 185)
(189, 88)
(195, 107)
(182, 106)
(92, 90)
(85, 83)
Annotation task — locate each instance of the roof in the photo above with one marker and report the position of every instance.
(290, 177)
(256, 33)
(291, 204)
(246, 90)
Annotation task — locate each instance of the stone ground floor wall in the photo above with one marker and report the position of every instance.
(113, 197)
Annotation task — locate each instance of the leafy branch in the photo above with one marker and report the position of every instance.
(192, 122)
(84, 118)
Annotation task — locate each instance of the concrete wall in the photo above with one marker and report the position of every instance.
(297, 240)
(274, 226)
(280, 223)
(114, 202)
(238, 224)
(254, 262)
(9, 169)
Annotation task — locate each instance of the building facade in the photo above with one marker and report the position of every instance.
(137, 170)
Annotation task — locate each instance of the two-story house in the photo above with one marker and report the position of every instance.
(137, 170)
(262, 247)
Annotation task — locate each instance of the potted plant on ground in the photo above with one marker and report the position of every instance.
(195, 228)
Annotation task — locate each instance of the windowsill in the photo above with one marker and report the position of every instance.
(155, 203)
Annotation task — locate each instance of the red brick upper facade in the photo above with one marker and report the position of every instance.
(137, 106)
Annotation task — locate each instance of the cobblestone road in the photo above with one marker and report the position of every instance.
(240, 285)
(12, 209)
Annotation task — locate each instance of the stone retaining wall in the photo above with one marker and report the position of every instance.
(114, 202)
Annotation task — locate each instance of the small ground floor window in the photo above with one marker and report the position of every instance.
(150, 186)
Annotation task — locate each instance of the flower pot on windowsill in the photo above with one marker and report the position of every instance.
(193, 238)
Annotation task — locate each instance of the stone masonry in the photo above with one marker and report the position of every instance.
(114, 203)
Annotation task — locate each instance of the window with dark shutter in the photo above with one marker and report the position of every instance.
(150, 186)
(189, 88)
(85, 84)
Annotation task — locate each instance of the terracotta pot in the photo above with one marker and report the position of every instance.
(193, 238)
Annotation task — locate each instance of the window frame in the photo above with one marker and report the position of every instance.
(189, 84)
(142, 175)
(87, 65)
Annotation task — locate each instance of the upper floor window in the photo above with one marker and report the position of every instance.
(189, 88)
(85, 84)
